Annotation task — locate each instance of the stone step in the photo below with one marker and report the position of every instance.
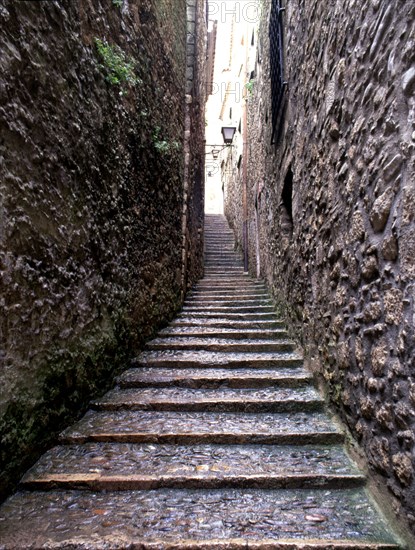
(131, 466)
(203, 308)
(216, 248)
(218, 245)
(222, 255)
(227, 290)
(220, 268)
(222, 265)
(228, 294)
(225, 276)
(220, 344)
(267, 399)
(214, 332)
(242, 316)
(238, 305)
(191, 428)
(223, 285)
(214, 295)
(236, 302)
(202, 359)
(221, 323)
(193, 519)
(218, 236)
(214, 378)
(227, 271)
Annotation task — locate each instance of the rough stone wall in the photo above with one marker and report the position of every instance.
(91, 202)
(194, 180)
(233, 197)
(342, 266)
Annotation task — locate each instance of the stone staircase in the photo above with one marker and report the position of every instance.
(215, 439)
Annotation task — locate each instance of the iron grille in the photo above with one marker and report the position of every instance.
(277, 69)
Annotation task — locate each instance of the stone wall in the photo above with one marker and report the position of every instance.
(92, 137)
(338, 250)
(194, 145)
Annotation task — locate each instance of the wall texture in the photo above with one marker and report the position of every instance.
(92, 105)
(194, 144)
(338, 251)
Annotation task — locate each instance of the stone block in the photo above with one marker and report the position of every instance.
(381, 209)
(408, 82)
(379, 358)
(402, 466)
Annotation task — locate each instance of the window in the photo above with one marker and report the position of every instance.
(277, 69)
(287, 204)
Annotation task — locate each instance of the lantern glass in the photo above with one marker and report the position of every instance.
(228, 132)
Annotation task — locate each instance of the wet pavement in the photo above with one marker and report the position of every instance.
(214, 438)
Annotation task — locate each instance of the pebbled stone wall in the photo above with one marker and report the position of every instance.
(194, 143)
(338, 251)
(91, 203)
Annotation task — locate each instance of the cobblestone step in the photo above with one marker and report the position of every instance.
(302, 519)
(221, 265)
(215, 332)
(220, 344)
(227, 258)
(127, 466)
(214, 378)
(243, 284)
(218, 399)
(226, 289)
(196, 296)
(207, 309)
(236, 278)
(253, 316)
(238, 305)
(228, 300)
(204, 427)
(202, 359)
(224, 267)
(183, 321)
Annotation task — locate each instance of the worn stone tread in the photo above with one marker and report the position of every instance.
(257, 316)
(215, 344)
(119, 519)
(220, 399)
(204, 427)
(228, 302)
(228, 263)
(239, 378)
(224, 268)
(215, 298)
(188, 358)
(184, 321)
(217, 332)
(224, 290)
(221, 287)
(229, 310)
(122, 466)
(227, 276)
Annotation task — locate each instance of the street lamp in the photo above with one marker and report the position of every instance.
(228, 132)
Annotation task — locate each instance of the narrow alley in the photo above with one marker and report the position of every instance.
(207, 275)
(215, 438)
